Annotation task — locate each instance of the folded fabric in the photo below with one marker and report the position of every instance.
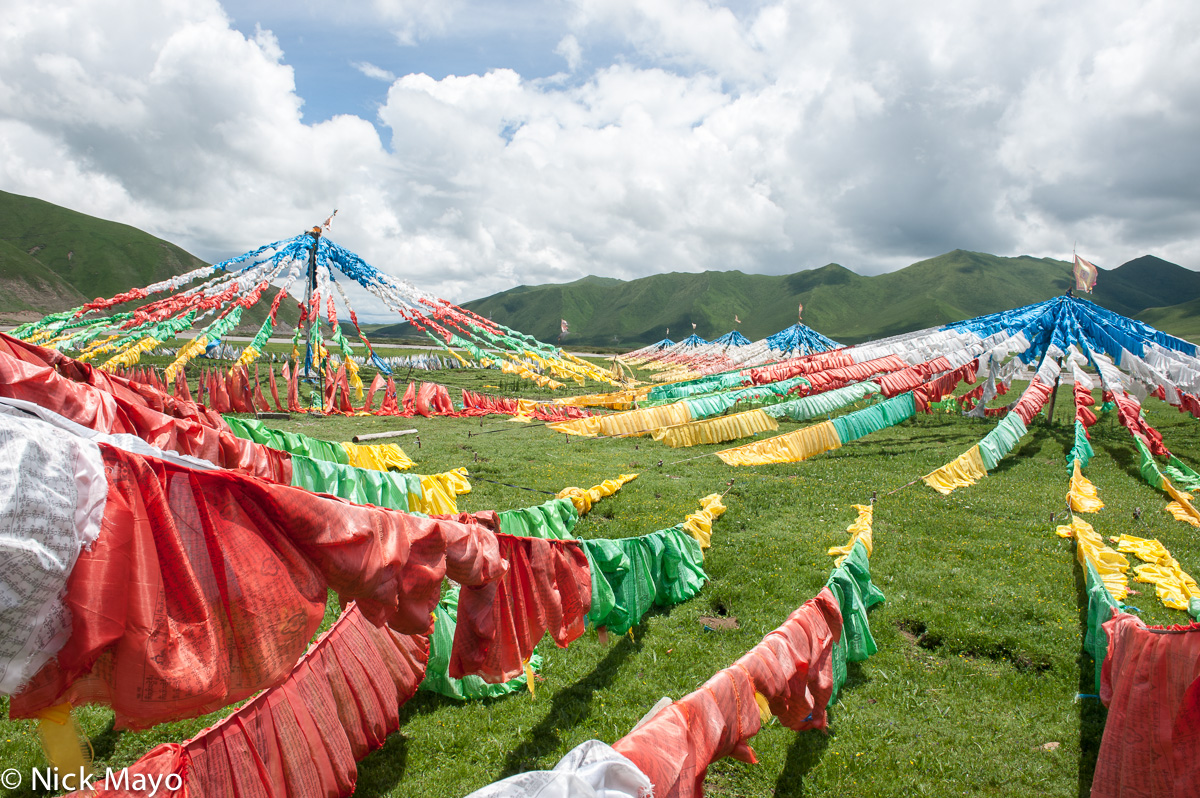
(1151, 686)
(861, 529)
(51, 508)
(553, 520)
(961, 472)
(664, 568)
(630, 422)
(583, 499)
(360, 485)
(851, 585)
(441, 643)
(302, 737)
(115, 413)
(1082, 496)
(1091, 550)
(716, 430)
(810, 407)
(1175, 588)
(675, 747)
(130, 391)
(699, 524)
(546, 588)
(792, 447)
(203, 587)
(791, 668)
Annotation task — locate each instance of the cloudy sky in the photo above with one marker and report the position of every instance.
(473, 146)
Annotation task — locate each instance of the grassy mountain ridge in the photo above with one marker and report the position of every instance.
(94, 256)
(29, 287)
(53, 258)
(1182, 320)
(838, 302)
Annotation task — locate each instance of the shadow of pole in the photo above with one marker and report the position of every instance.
(571, 706)
(1092, 713)
(809, 748)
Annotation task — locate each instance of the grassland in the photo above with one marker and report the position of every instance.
(979, 661)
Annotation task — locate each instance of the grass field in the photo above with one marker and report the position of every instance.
(979, 659)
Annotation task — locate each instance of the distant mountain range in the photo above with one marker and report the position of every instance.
(52, 258)
(837, 302)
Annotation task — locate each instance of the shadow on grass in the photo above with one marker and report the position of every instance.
(1091, 712)
(1039, 433)
(105, 743)
(808, 749)
(381, 770)
(572, 705)
(873, 449)
(1124, 455)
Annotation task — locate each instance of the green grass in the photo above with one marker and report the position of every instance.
(979, 640)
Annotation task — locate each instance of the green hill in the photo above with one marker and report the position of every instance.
(28, 288)
(1182, 320)
(53, 258)
(1146, 282)
(839, 303)
(93, 256)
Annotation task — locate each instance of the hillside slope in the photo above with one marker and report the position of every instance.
(839, 303)
(28, 288)
(94, 256)
(53, 258)
(1182, 320)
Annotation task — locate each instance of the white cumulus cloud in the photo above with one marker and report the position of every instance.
(762, 136)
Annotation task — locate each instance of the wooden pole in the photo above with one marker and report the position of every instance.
(1054, 394)
(310, 287)
(371, 436)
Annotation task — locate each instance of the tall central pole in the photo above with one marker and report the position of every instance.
(311, 287)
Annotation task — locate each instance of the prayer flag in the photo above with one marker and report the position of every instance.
(1085, 275)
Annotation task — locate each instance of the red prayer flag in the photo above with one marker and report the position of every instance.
(275, 388)
(376, 384)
